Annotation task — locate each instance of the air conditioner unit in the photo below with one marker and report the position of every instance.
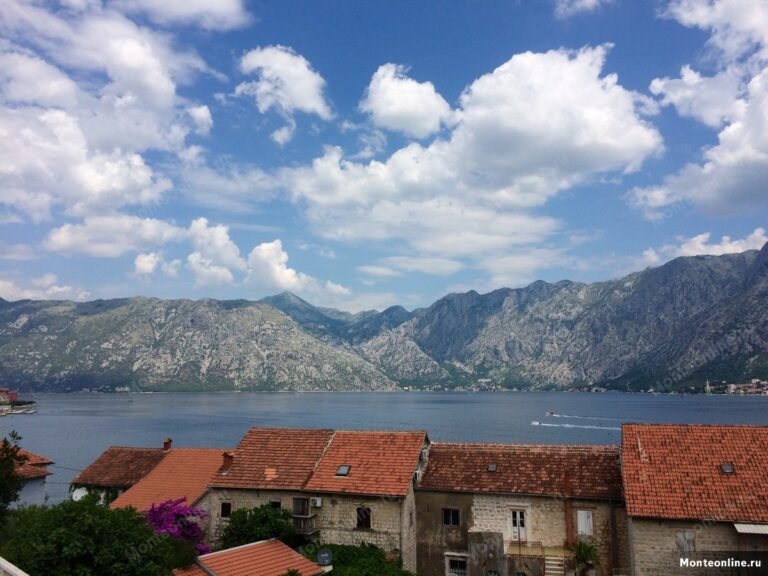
(316, 502)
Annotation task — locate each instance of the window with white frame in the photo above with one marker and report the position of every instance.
(584, 525)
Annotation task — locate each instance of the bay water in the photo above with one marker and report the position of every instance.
(73, 429)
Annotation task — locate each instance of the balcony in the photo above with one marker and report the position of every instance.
(536, 549)
(306, 525)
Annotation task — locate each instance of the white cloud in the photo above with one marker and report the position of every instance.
(378, 271)
(287, 83)
(146, 264)
(213, 245)
(111, 236)
(16, 251)
(27, 79)
(201, 115)
(538, 124)
(711, 100)
(45, 287)
(207, 272)
(434, 266)
(700, 245)
(732, 174)
(568, 8)
(737, 26)
(520, 268)
(218, 15)
(268, 267)
(79, 144)
(230, 187)
(397, 102)
(47, 163)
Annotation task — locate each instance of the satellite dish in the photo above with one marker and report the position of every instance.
(324, 557)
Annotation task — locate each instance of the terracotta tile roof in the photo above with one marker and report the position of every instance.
(380, 463)
(34, 467)
(674, 471)
(275, 458)
(183, 472)
(120, 467)
(578, 471)
(267, 558)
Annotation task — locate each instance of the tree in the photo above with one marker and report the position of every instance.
(255, 524)
(363, 560)
(171, 518)
(585, 556)
(84, 538)
(10, 482)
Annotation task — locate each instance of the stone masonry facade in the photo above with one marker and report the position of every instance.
(655, 550)
(336, 519)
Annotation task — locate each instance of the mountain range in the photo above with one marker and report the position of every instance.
(667, 328)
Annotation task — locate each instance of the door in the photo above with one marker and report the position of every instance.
(517, 527)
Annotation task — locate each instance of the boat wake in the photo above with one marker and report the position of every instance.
(556, 415)
(587, 426)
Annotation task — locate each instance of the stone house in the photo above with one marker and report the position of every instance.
(117, 469)
(694, 492)
(342, 487)
(515, 510)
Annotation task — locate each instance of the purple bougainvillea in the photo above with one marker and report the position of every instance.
(175, 519)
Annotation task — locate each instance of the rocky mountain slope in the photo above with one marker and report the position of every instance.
(676, 325)
(151, 344)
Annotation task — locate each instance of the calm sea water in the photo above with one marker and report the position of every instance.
(73, 429)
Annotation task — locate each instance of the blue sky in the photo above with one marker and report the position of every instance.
(364, 154)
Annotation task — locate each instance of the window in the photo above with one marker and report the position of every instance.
(301, 506)
(226, 509)
(450, 517)
(364, 518)
(686, 542)
(275, 504)
(456, 566)
(343, 470)
(584, 522)
(410, 518)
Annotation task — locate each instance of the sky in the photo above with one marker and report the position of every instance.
(366, 154)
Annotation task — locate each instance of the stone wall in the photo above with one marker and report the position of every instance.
(336, 519)
(654, 549)
(433, 539)
(409, 550)
(545, 517)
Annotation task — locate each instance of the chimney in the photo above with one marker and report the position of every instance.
(167, 444)
(229, 458)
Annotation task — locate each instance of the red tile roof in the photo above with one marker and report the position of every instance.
(35, 466)
(267, 558)
(674, 471)
(380, 463)
(183, 472)
(120, 467)
(275, 458)
(577, 471)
